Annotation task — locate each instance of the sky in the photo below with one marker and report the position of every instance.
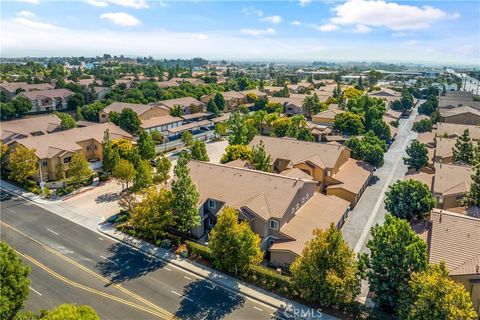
(290, 30)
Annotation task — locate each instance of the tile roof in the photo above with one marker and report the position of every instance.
(185, 102)
(295, 101)
(268, 195)
(455, 239)
(353, 175)
(158, 121)
(451, 179)
(321, 154)
(328, 114)
(189, 126)
(444, 147)
(47, 146)
(296, 173)
(14, 86)
(233, 95)
(25, 127)
(446, 113)
(456, 130)
(119, 106)
(54, 93)
(421, 176)
(317, 213)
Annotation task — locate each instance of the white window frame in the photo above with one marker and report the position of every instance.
(211, 204)
(274, 222)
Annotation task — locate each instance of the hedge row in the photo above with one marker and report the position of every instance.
(199, 250)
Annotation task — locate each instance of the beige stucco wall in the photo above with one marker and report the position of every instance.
(463, 119)
(472, 288)
(282, 258)
(344, 194)
(321, 120)
(154, 112)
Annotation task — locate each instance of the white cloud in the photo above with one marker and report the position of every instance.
(296, 23)
(400, 34)
(121, 19)
(412, 42)
(95, 3)
(386, 14)
(303, 3)
(327, 27)
(26, 14)
(455, 15)
(135, 4)
(466, 50)
(360, 28)
(29, 1)
(272, 19)
(258, 32)
(29, 23)
(251, 11)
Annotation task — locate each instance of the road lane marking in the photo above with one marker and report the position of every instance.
(109, 260)
(9, 210)
(168, 269)
(91, 290)
(257, 308)
(181, 295)
(211, 288)
(78, 265)
(35, 291)
(55, 233)
(188, 278)
(100, 238)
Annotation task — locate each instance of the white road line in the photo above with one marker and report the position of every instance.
(111, 261)
(168, 269)
(35, 291)
(373, 215)
(257, 308)
(188, 278)
(9, 210)
(211, 288)
(100, 238)
(55, 233)
(175, 292)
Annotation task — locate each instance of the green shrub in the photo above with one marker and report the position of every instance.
(104, 176)
(199, 250)
(269, 279)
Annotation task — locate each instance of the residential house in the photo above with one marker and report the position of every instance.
(454, 99)
(460, 115)
(48, 100)
(386, 94)
(188, 104)
(300, 87)
(143, 111)
(270, 90)
(327, 117)
(101, 92)
(256, 92)
(282, 210)
(451, 130)
(454, 239)
(28, 127)
(327, 164)
(10, 89)
(55, 150)
(450, 185)
(292, 106)
(443, 150)
(233, 99)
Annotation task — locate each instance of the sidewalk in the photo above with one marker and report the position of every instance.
(94, 223)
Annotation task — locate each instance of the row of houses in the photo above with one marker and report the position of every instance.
(459, 107)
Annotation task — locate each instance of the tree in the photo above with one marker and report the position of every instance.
(238, 129)
(143, 176)
(350, 93)
(127, 201)
(7, 111)
(297, 122)
(473, 196)
(261, 160)
(429, 106)
(281, 126)
(127, 120)
(124, 172)
(176, 111)
(305, 134)
(110, 156)
(187, 138)
(163, 170)
(198, 151)
(212, 107)
(90, 111)
(78, 168)
(432, 294)
(396, 252)
(153, 215)
(234, 245)
(463, 148)
(14, 289)
(326, 272)
(21, 105)
(146, 146)
(381, 129)
(369, 148)
(417, 155)
(219, 101)
(406, 100)
(220, 129)
(348, 123)
(22, 164)
(185, 196)
(77, 100)
(424, 125)
(312, 105)
(409, 199)
(236, 151)
(70, 312)
(397, 105)
(67, 121)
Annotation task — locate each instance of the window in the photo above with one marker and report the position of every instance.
(67, 159)
(274, 224)
(44, 163)
(212, 204)
(89, 148)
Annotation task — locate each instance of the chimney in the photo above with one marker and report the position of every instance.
(478, 268)
(441, 215)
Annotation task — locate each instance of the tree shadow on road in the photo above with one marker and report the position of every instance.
(373, 180)
(107, 197)
(123, 263)
(204, 300)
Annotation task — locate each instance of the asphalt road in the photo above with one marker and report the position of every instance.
(370, 209)
(71, 264)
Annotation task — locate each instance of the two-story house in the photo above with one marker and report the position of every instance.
(48, 100)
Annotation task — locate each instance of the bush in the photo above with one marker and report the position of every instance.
(65, 190)
(269, 279)
(104, 176)
(199, 250)
(29, 185)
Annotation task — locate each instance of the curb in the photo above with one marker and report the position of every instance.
(172, 261)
